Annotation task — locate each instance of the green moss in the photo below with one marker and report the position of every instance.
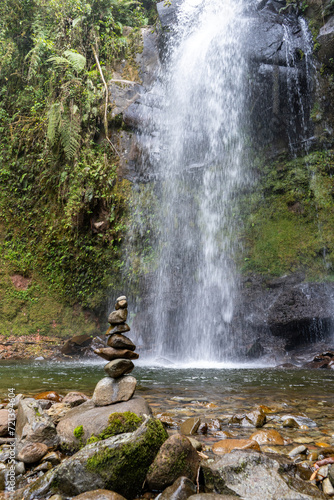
(288, 220)
(118, 424)
(124, 469)
(78, 432)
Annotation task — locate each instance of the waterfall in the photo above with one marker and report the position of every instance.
(201, 167)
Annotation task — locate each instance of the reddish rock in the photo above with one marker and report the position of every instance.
(267, 436)
(3, 422)
(50, 396)
(227, 445)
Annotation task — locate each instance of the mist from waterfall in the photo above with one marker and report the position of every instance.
(201, 167)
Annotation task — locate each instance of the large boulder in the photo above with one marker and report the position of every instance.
(33, 425)
(119, 464)
(250, 475)
(177, 457)
(94, 420)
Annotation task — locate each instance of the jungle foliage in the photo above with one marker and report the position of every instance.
(63, 209)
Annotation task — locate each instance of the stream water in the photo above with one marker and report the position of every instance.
(209, 392)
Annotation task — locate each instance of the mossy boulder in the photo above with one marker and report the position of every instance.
(119, 463)
(100, 422)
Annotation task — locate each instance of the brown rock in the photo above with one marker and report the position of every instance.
(75, 344)
(118, 329)
(58, 411)
(109, 353)
(267, 436)
(256, 418)
(4, 422)
(32, 452)
(109, 390)
(176, 457)
(50, 396)
(99, 495)
(118, 341)
(75, 398)
(118, 367)
(118, 317)
(179, 490)
(227, 445)
(190, 426)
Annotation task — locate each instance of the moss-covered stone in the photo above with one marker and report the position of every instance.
(124, 469)
(118, 424)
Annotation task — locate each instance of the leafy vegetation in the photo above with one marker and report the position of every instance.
(63, 208)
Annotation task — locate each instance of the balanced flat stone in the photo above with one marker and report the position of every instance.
(109, 391)
(118, 367)
(118, 341)
(109, 353)
(118, 329)
(118, 317)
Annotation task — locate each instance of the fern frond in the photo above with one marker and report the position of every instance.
(34, 57)
(54, 122)
(70, 134)
(58, 61)
(77, 61)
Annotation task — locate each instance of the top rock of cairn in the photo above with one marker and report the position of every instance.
(119, 316)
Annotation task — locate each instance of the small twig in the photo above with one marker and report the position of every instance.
(197, 479)
(105, 120)
(123, 81)
(202, 455)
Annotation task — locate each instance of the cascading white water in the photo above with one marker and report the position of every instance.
(201, 167)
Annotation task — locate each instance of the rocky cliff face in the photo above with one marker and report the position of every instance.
(290, 113)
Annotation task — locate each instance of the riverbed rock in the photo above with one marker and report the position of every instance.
(118, 367)
(58, 411)
(177, 457)
(250, 475)
(181, 489)
(227, 445)
(267, 436)
(76, 344)
(50, 396)
(109, 390)
(32, 452)
(33, 425)
(211, 496)
(75, 398)
(119, 464)
(99, 495)
(94, 420)
(327, 487)
(3, 422)
(190, 426)
(256, 418)
(118, 317)
(118, 341)
(109, 353)
(118, 329)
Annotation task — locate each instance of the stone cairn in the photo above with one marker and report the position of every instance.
(118, 385)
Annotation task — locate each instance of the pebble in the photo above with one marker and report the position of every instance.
(327, 487)
(227, 445)
(297, 451)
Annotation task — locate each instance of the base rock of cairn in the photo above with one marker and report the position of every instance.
(118, 386)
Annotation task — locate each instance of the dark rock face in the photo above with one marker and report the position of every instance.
(287, 308)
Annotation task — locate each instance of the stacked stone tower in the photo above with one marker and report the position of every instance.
(118, 385)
